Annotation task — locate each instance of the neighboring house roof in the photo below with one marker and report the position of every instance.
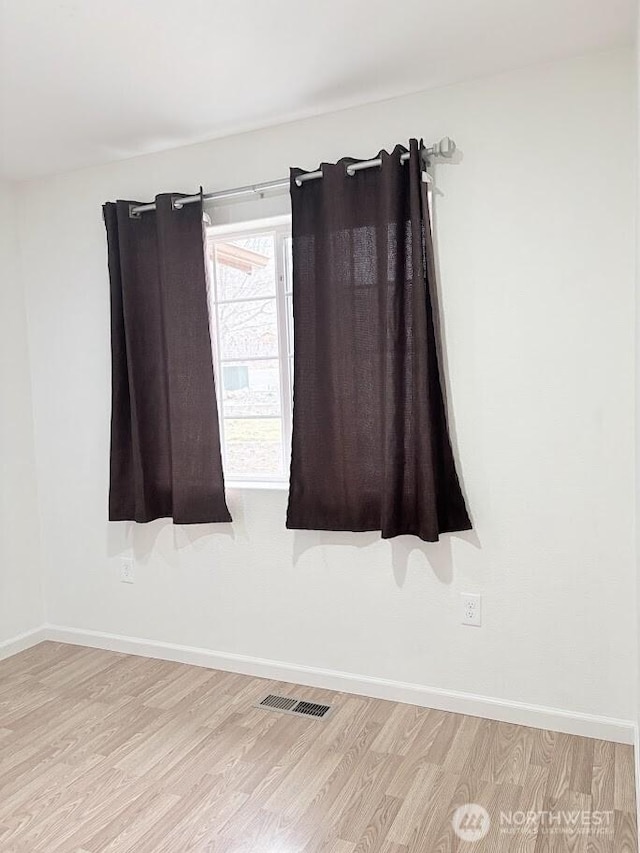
(241, 259)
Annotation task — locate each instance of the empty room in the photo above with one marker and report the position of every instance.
(319, 432)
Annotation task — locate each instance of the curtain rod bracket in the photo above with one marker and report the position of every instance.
(446, 147)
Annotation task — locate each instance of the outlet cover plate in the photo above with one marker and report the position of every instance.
(471, 609)
(127, 573)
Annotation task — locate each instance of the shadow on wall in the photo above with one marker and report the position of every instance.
(142, 539)
(437, 555)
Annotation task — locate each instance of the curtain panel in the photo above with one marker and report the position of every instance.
(165, 442)
(370, 447)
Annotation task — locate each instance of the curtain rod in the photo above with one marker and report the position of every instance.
(444, 148)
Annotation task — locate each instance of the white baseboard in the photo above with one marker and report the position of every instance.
(22, 641)
(555, 719)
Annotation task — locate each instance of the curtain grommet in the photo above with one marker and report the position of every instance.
(132, 212)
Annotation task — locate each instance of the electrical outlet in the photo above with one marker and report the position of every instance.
(471, 609)
(127, 574)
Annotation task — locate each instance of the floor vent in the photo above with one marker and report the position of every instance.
(311, 709)
(278, 703)
(289, 705)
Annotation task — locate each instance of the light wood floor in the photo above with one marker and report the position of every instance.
(108, 752)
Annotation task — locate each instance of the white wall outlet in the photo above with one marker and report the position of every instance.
(127, 573)
(471, 608)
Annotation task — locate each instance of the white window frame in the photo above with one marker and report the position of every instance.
(280, 227)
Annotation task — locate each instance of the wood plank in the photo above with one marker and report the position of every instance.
(624, 788)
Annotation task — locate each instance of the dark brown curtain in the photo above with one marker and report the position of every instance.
(165, 443)
(371, 449)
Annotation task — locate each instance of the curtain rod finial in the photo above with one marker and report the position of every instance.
(446, 147)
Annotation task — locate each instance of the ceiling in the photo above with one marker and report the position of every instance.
(86, 81)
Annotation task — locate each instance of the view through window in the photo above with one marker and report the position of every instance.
(252, 330)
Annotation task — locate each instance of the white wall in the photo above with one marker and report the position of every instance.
(21, 606)
(536, 247)
(637, 414)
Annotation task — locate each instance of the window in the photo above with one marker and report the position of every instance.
(252, 329)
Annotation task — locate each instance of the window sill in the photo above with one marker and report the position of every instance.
(260, 485)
